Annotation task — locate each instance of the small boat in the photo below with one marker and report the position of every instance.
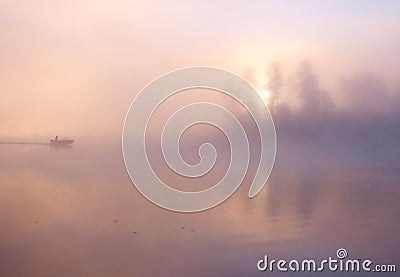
(61, 142)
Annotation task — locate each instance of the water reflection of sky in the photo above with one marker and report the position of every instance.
(74, 212)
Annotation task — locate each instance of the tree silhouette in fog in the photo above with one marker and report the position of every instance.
(367, 111)
(275, 84)
(311, 96)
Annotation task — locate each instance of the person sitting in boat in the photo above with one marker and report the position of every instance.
(56, 139)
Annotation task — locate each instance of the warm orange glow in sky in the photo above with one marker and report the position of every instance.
(74, 67)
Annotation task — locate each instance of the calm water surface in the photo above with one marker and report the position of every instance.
(74, 212)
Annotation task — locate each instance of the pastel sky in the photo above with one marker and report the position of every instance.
(74, 66)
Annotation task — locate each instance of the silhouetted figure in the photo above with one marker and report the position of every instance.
(61, 142)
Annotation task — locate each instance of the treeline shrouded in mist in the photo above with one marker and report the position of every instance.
(367, 114)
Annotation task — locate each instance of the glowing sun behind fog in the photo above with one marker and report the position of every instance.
(264, 94)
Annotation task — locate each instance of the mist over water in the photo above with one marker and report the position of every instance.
(74, 211)
(77, 206)
(331, 71)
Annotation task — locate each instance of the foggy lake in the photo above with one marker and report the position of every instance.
(74, 212)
